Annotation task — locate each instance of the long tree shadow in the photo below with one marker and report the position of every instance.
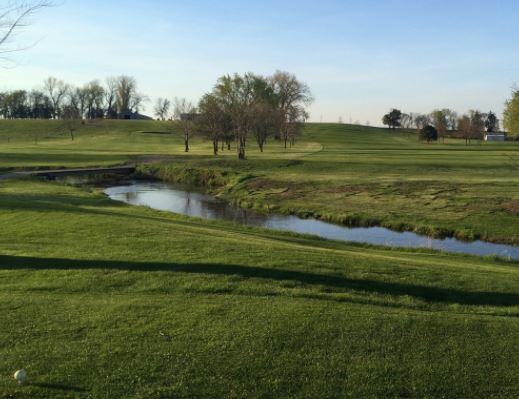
(58, 387)
(337, 283)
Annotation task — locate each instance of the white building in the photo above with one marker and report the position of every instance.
(495, 137)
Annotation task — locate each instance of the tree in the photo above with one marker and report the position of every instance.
(292, 97)
(393, 119)
(56, 90)
(127, 98)
(162, 108)
(213, 121)
(94, 96)
(184, 111)
(71, 120)
(452, 119)
(13, 17)
(464, 128)
(236, 96)
(407, 121)
(265, 122)
(477, 125)
(511, 113)
(111, 98)
(422, 120)
(429, 133)
(440, 122)
(491, 122)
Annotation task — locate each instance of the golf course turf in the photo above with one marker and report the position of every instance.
(103, 300)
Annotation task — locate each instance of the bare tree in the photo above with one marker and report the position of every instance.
(162, 108)
(71, 120)
(128, 99)
(184, 111)
(13, 16)
(440, 122)
(464, 128)
(111, 97)
(94, 94)
(421, 121)
(56, 90)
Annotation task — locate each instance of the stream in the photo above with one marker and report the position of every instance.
(187, 201)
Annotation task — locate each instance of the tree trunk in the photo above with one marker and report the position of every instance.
(215, 147)
(72, 135)
(186, 141)
(241, 147)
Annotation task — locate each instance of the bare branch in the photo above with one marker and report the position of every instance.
(14, 17)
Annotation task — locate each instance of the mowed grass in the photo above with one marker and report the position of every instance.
(370, 176)
(103, 300)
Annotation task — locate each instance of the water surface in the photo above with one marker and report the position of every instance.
(187, 201)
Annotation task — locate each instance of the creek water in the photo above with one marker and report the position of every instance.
(188, 201)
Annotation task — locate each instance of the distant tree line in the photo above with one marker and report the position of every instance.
(446, 123)
(56, 99)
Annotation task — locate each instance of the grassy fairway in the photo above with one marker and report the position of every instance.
(101, 300)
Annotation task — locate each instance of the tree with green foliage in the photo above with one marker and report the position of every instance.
(511, 114)
(429, 133)
(491, 122)
(292, 98)
(393, 119)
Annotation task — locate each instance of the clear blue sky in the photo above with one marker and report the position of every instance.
(360, 57)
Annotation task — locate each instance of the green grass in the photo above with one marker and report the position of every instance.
(103, 300)
(100, 300)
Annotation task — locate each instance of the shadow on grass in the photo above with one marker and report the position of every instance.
(336, 284)
(58, 387)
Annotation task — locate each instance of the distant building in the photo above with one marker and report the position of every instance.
(495, 137)
(128, 115)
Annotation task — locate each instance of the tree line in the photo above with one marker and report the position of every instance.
(56, 99)
(446, 123)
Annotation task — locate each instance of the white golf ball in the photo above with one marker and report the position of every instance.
(20, 376)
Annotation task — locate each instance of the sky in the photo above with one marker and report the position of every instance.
(359, 57)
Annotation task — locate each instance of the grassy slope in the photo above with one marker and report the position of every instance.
(373, 176)
(99, 299)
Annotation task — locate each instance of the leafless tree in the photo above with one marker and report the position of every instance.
(184, 111)
(421, 121)
(71, 120)
(464, 128)
(56, 90)
(440, 122)
(111, 97)
(94, 95)
(128, 99)
(162, 108)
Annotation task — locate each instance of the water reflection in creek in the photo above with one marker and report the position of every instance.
(178, 199)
